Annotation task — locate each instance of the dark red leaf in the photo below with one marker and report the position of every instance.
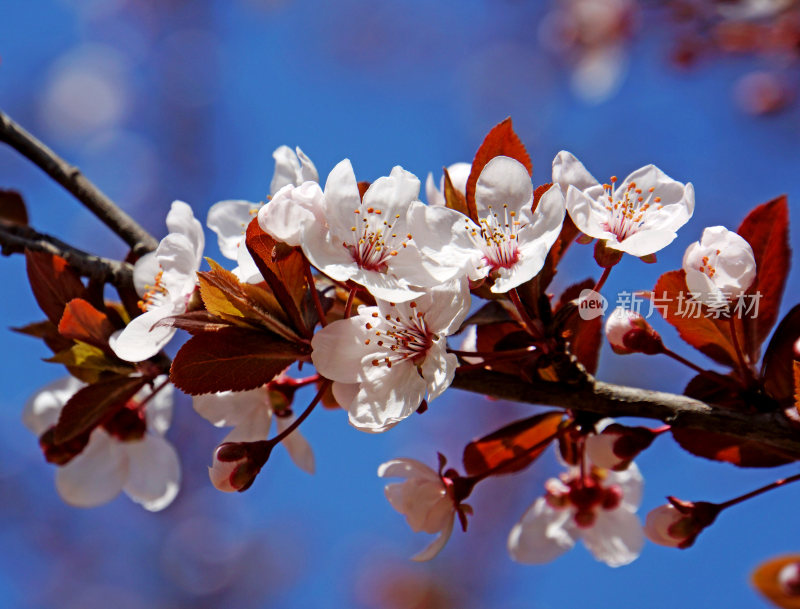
(766, 229)
(81, 321)
(231, 359)
(12, 207)
(93, 403)
(710, 336)
(48, 332)
(500, 141)
(196, 322)
(721, 447)
(512, 445)
(285, 275)
(54, 283)
(584, 338)
(776, 371)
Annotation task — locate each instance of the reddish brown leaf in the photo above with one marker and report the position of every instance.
(48, 332)
(766, 229)
(584, 338)
(721, 447)
(766, 579)
(710, 336)
(231, 359)
(285, 275)
(776, 370)
(93, 404)
(197, 322)
(797, 386)
(500, 141)
(454, 199)
(512, 445)
(54, 283)
(81, 321)
(12, 207)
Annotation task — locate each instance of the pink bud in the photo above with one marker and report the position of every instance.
(660, 522)
(678, 523)
(628, 332)
(617, 445)
(236, 464)
(789, 579)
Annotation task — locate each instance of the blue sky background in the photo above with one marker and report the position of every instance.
(157, 101)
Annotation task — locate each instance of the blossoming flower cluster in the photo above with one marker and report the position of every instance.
(394, 278)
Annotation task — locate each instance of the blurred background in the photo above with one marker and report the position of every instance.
(187, 99)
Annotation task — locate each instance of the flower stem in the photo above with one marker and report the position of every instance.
(314, 294)
(153, 393)
(349, 306)
(759, 491)
(296, 423)
(602, 281)
(682, 360)
(527, 321)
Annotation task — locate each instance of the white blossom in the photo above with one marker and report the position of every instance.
(146, 467)
(639, 216)
(598, 508)
(720, 267)
(384, 359)
(165, 279)
(424, 500)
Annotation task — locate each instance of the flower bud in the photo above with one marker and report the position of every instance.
(789, 579)
(720, 267)
(617, 445)
(236, 464)
(628, 332)
(678, 523)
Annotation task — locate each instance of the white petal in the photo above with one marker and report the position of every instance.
(643, 242)
(43, 408)
(154, 472)
(345, 393)
(438, 370)
(459, 175)
(144, 273)
(446, 306)
(96, 475)
(407, 468)
(140, 340)
(586, 214)
(433, 194)
(229, 220)
(179, 264)
(632, 484)
(341, 198)
(230, 408)
(297, 446)
(159, 409)
(390, 396)
(181, 220)
(393, 194)
(503, 181)
(308, 172)
(437, 544)
(616, 538)
(291, 212)
(339, 348)
(542, 535)
(287, 169)
(247, 271)
(569, 171)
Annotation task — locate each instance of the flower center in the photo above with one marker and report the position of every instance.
(154, 295)
(708, 265)
(627, 209)
(497, 238)
(402, 337)
(585, 495)
(374, 241)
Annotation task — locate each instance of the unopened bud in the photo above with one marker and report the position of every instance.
(617, 445)
(236, 464)
(678, 523)
(789, 579)
(628, 332)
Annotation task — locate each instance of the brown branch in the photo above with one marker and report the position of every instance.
(15, 238)
(772, 429)
(77, 184)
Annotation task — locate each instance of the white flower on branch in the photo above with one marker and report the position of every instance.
(424, 499)
(639, 216)
(370, 242)
(229, 219)
(720, 267)
(166, 280)
(511, 241)
(384, 359)
(250, 413)
(128, 454)
(598, 508)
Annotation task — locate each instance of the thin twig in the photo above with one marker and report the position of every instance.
(77, 184)
(772, 429)
(15, 238)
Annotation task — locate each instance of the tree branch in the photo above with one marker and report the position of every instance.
(77, 184)
(15, 238)
(772, 429)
